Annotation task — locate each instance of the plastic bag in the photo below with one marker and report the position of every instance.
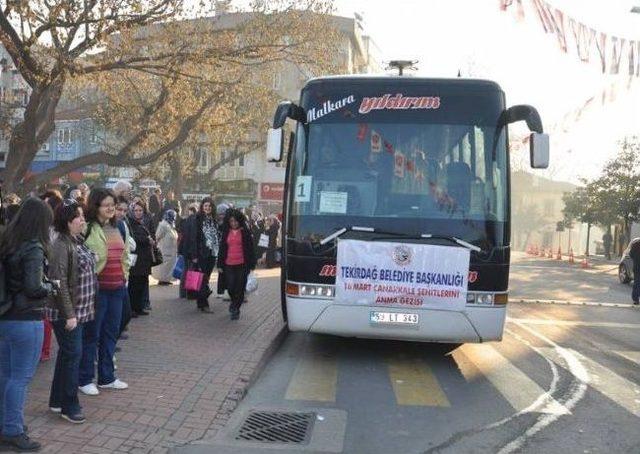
(178, 270)
(252, 283)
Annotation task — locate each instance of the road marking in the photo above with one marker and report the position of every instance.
(554, 322)
(414, 383)
(577, 390)
(620, 390)
(514, 385)
(631, 355)
(314, 378)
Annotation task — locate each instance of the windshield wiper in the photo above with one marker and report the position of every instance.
(337, 233)
(453, 239)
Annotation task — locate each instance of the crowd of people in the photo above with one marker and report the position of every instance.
(77, 267)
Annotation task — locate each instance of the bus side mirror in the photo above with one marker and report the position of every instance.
(539, 150)
(274, 145)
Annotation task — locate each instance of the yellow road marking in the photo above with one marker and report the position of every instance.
(315, 378)
(414, 383)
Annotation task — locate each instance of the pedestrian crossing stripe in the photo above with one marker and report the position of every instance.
(632, 356)
(314, 378)
(414, 383)
(513, 384)
(618, 389)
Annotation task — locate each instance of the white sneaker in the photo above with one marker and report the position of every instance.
(89, 390)
(116, 384)
(55, 409)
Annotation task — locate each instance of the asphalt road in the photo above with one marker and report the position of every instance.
(565, 378)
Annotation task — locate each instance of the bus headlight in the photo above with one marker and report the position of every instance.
(314, 290)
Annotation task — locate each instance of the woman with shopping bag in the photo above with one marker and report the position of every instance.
(201, 250)
(237, 258)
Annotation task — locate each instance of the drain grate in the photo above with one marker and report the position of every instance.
(277, 427)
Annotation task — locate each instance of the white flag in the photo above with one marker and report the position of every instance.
(398, 159)
(376, 142)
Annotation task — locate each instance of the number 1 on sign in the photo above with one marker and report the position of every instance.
(303, 188)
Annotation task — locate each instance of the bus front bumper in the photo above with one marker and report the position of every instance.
(474, 324)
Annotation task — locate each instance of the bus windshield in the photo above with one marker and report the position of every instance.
(411, 172)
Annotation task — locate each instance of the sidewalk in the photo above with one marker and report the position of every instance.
(186, 373)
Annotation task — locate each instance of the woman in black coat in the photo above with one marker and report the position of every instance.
(236, 258)
(201, 244)
(140, 271)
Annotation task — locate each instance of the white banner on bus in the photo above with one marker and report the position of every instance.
(402, 274)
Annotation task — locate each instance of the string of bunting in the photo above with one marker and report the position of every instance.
(379, 143)
(611, 50)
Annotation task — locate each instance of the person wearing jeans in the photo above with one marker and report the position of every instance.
(237, 258)
(73, 265)
(21, 328)
(100, 335)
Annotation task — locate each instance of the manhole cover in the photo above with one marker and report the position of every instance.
(277, 427)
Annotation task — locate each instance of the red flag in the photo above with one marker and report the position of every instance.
(410, 165)
(388, 147)
(362, 131)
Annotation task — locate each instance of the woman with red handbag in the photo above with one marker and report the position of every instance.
(201, 244)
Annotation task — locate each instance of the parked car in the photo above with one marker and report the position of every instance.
(625, 268)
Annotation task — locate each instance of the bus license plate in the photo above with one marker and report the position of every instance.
(393, 317)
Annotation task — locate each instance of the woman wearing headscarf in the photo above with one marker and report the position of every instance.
(201, 248)
(167, 238)
(140, 271)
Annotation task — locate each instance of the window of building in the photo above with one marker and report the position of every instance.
(93, 135)
(549, 205)
(240, 162)
(64, 135)
(3, 157)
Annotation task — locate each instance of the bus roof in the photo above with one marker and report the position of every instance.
(363, 79)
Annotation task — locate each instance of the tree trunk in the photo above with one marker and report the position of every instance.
(28, 135)
(588, 234)
(177, 182)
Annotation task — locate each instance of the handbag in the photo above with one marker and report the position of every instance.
(156, 256)
(193, 280)
(178, 270)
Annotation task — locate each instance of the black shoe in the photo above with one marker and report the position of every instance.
(164, 283)
(141, 313)
(206, 309)
(235, 315)
(123, 336)
(134, 315)
(635, 303)
(22, 443)
(75, 419)
(118, 349)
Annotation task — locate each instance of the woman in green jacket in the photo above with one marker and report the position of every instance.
(100, 335)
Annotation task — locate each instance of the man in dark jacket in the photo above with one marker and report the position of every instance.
(634, 253)
(155, 203)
